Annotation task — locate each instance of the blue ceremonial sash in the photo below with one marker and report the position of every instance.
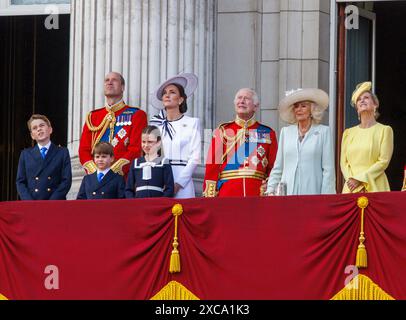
(258, 136)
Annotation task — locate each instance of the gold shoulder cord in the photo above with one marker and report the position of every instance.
(109, 120)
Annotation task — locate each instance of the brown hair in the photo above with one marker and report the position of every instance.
(154, 131)
(38, 117)
(183, 105)
(103, 148)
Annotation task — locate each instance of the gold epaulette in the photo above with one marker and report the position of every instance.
(404, 181)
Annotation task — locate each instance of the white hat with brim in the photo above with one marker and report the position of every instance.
(187, 80)
(317, 96)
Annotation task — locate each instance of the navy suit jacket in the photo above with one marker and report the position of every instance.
(110, 187)
(44, 179)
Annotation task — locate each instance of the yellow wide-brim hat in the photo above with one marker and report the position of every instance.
(359, 90)
(317, 96)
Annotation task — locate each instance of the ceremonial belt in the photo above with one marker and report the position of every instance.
(150, 188)
(243, 173)
(178, 162)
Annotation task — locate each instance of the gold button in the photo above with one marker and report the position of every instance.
(49, 190)
(102, 193)
(36, 178)
(94, 193)
(49, 178)
(36, 190)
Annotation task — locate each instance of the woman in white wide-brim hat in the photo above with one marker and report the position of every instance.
(181, 137)
(367, 148)
(305, 157)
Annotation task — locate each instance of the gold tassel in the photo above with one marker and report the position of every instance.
(174, 291)
(174, 265)
(2, 297)
(362, 288)
(362, 257)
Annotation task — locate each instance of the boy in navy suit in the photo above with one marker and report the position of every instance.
(104, 183)
(44, 171)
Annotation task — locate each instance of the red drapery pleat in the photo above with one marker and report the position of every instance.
(252, 248)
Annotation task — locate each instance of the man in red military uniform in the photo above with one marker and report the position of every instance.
(116, 123)
(242, 152)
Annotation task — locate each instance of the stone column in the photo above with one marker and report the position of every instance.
(271, 46)
(145, 40)
(304, 45)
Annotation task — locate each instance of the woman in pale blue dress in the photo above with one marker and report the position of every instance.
(305, 158)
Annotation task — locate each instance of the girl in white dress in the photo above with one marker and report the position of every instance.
(181, 137)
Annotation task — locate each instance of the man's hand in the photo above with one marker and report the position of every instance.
(263, 187)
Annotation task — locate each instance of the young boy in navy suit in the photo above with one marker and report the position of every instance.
(104, 183)
(44, 171)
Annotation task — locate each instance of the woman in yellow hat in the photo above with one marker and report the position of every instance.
(367, 148)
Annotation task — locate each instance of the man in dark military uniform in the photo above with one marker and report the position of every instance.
(115, 123)
(44, 171)
(242, 152)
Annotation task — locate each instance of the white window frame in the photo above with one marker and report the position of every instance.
(7, 9)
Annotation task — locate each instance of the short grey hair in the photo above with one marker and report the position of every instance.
(255, 97)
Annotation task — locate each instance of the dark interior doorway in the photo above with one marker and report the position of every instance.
(391, 80)
(34, 74)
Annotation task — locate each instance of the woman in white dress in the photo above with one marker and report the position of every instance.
(181, 137)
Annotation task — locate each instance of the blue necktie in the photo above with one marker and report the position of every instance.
(43, 152)
(100, 176)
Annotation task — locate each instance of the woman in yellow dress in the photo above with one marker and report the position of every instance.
(366, 149)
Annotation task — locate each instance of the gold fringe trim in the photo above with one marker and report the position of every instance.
(362, 288)
(2, 297)
(174, 291)
(362, 257)
(174, 265)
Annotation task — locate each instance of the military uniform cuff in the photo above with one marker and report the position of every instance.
(210, 191)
